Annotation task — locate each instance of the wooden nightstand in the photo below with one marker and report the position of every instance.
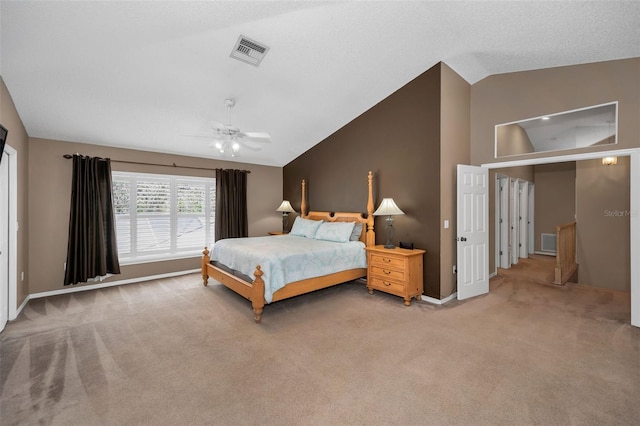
(277, 233)
(396, 271)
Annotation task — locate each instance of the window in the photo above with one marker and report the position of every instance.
(162, 216)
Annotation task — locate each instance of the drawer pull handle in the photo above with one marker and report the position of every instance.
(386, 272)
(386, 283)
(384, 259)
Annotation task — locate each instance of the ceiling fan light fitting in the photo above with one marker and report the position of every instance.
(229, 140)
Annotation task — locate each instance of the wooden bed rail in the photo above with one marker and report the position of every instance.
(565, 252)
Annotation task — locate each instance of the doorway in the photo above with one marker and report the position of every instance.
(514, 220)
(634, 216)
(8, 235)
(4, 242)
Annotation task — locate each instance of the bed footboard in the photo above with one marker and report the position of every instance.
(253, 291)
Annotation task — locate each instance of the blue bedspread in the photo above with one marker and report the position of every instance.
(288, 258)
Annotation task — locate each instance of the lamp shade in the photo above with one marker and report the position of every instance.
(387, 207)
(285, 207)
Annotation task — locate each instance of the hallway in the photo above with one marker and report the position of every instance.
(532, 283)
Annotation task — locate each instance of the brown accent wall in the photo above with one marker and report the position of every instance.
(411, 140)
(454, 150)
(17, 138)
(49, 203)
(603, 225)
(555, 197)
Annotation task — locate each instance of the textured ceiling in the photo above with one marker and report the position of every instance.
(146, 74)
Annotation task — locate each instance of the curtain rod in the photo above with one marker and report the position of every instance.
(69, 156)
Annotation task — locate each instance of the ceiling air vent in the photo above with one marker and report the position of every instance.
(249, 51)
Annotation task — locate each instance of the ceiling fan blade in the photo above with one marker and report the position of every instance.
(246, 145)
(204, 136)
(259, 136)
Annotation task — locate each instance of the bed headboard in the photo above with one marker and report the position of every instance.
(368, 236)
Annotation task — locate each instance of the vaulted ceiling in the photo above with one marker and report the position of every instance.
(150, 74)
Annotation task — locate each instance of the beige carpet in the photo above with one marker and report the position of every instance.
(172, 352)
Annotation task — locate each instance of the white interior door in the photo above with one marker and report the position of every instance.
(523, 227)
(473, 231)
(502, 223)
(4, 241)
(514, 215)
(531, 217)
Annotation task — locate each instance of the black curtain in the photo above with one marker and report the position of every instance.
(231, 204)
(92, 250)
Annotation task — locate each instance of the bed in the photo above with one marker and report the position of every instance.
(257, 286)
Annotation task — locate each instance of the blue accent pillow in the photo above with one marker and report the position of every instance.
(305, 227)
(357, 232)
(340, 232)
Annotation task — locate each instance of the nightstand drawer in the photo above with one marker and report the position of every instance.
(388, 274)
(387, 286)
(387, 261)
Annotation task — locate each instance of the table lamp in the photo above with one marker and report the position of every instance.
(285, 208)
(388, 208)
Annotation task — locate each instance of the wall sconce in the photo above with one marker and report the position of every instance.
(610, 161)
(388, 208)
(285, 208)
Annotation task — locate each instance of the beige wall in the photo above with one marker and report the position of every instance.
(514, 96)
(555, 197)
(511, 139)
(505, 98)
(602, 200)
(17, 138)
(454, 150)
(49, 203)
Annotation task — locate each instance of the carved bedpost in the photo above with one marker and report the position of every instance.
(205, 262)
(371, 235)
(257, 294)
(303, 203)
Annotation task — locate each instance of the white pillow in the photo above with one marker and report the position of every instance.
(305, 227)
(339, 232)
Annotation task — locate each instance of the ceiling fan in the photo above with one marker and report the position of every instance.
(228, 139)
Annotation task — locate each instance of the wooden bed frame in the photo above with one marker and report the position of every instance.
(254, 291)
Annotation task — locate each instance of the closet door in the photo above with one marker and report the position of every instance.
(523, 220)
(502, 223)
(514, 219)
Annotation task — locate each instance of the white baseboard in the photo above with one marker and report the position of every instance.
(439, 301)
(545, 253)
(493, 275)
(22, 305)
(75, 289)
